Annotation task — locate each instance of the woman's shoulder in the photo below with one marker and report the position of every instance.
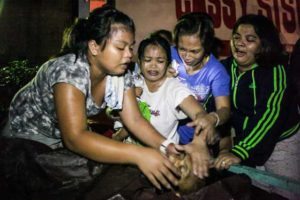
(172, 81)
(264, 75)
(226, 62)
(70, 64)
(215, 65)
(67, 69)
(175, 85)
(270, 70)
(67, 58)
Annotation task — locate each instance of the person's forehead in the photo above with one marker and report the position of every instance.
(119, 27)
(190, 41)
(155, 49)
(246, 29)
(121, 34)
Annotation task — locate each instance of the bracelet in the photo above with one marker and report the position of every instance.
(217, 117)
(163, 146)
(118, 125)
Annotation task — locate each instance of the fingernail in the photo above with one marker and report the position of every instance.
(195, 172)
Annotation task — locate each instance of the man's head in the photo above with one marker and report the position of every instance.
(188, 182)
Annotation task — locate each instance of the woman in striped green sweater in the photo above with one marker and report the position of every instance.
(264, 112)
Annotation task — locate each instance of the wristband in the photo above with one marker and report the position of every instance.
(118, 125)
(163, 146)
(217, 117)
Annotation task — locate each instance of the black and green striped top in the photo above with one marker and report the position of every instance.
(263, 111)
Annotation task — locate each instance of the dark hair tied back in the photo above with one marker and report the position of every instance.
(96, 27)
(74, 37)
(100, 21)
(196, 23)
(155, 40)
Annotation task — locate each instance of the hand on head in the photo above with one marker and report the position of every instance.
(157, 168)
(188, 181)
(200, 156)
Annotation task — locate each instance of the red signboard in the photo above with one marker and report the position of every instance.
(284, 13)
(96, 4)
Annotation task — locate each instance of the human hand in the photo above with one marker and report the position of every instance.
(225, 159)
(157, 168)
(120, 134)
(138, 91)
(188, 182)
(171, 72)
(200, 156)
(204, 124)
(172, 150)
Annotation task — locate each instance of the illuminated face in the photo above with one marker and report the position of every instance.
(154, 63)
(118, 52)
(245, 45)
(188, 181)
(191, 50)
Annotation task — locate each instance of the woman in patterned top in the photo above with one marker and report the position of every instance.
(89, 74)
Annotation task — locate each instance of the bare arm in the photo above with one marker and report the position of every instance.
(198, 149)
(222, 108)
(225, 144)
(203, 122)
(136, 124)
(70, 110)
(200, 155)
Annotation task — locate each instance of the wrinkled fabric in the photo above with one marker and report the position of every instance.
(67, 167)
(32, 112)
(114, 92)
(115, 88)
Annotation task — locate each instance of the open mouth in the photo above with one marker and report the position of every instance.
(152, 72)
(240, 53)
(125, 65)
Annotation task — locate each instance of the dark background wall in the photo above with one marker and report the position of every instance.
(32, 29)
